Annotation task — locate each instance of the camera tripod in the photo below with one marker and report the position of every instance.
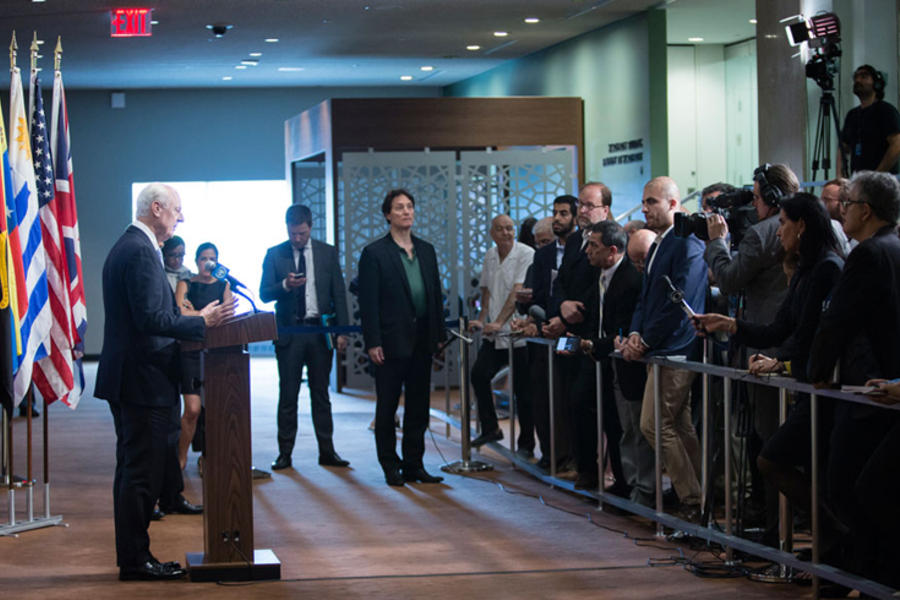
(822, 145)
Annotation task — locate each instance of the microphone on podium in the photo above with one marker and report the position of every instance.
(220, 272)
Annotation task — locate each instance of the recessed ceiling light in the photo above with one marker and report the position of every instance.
(154, 22)
(271, 40)
(532, 20)
(753, 21)
(695, 39)
(500, 34)
(39, 42)
(771, 36)
(426, 68)
(240, 66)
(473, 47)
(406, 77)
(290, 69)
(250, 62)
(227, 78)
(256, 54)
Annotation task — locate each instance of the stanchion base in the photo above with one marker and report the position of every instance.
(784, 574)
(259, 474)
(466, 466)
(265, 565)
(39, 523)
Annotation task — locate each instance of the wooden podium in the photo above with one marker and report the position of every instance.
(228, 550)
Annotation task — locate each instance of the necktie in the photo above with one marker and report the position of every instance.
(651, 253)
(301, 291)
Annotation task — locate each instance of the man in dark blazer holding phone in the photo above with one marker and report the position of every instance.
(304, 279)
(139, 372)
(402, 322)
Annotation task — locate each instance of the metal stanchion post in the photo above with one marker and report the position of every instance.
(729, 553)
(447, 392)
(512, 399)
(704, 464)
(601, 462)
(10, 479)
(552, 401)
(466, 465)
(814, 485)
(657, 447)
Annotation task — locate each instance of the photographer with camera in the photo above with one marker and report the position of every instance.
(755, 273)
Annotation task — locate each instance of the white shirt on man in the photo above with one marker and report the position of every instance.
(499, 277)
(312, 302)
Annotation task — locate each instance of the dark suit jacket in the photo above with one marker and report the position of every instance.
(542, 265)
(576, 275)
(330, 293)
(139, 359)
(385, 301)
(861, 326)
(663, 325)
(618, 307)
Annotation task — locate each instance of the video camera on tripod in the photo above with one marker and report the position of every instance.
(737, 209)
(822, 33)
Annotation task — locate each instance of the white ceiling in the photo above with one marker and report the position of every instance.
(334, 42)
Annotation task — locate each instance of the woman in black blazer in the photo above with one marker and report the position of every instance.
(401, 312)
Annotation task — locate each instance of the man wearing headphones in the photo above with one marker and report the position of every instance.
(755, 273)
(871, 134)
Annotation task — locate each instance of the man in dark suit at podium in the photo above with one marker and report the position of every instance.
(304, 279)
(139, 372)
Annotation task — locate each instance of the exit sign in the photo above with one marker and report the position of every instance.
(130, 22)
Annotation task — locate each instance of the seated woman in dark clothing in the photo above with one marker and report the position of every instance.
(806, 233)
(191, 296)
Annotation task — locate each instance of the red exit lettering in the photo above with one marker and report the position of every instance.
(130, 22)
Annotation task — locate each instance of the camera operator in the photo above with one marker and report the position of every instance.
(755, 272)
(714, 191)
(871, 133)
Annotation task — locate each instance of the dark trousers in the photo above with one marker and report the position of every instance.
(412, 376)
(540, 394)
(173, 479)
(583, 401)
(141, 446)
(489, 361)
(304, 350)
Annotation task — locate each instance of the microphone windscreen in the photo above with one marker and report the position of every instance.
(537, 312)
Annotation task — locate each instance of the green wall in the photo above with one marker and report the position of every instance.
(620, 72)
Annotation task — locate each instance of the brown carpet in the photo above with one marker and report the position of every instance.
(344, 532)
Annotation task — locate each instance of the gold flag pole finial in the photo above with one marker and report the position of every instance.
(13, 47)
(57, 54)
(34, 53)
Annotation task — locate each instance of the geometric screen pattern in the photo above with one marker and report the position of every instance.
(455, 202)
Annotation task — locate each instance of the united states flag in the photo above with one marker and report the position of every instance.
(67, 214)
(52, 374)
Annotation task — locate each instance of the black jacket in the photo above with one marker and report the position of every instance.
(385, 301)
(139, 360)
(861, 327)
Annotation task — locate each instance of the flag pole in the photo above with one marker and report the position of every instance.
(57, 54)
(10, 479)
(13, 47)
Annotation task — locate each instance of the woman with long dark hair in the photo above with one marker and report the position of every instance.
(806, 234)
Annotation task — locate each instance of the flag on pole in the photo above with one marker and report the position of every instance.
(8, 321)
(36, 319)
(52, 374)
(67, 214)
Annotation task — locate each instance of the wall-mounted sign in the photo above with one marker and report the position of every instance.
(130, 22)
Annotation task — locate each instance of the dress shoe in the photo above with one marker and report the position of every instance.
(544, 463)
(332, 459)
(587, 481)
(157, 514)
(151, 570)
(282, 462)
(622, 490)
(420, 474)
(493, 436)
(525, 453)
(182, 507)
(393, 477)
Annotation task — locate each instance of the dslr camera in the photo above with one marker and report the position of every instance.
(737, 209)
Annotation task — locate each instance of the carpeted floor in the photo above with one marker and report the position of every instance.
(344, 532)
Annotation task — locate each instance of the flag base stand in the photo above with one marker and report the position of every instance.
(39, 523)
(466, 466)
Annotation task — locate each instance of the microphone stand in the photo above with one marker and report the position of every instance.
(466, 464)
(249, 299)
